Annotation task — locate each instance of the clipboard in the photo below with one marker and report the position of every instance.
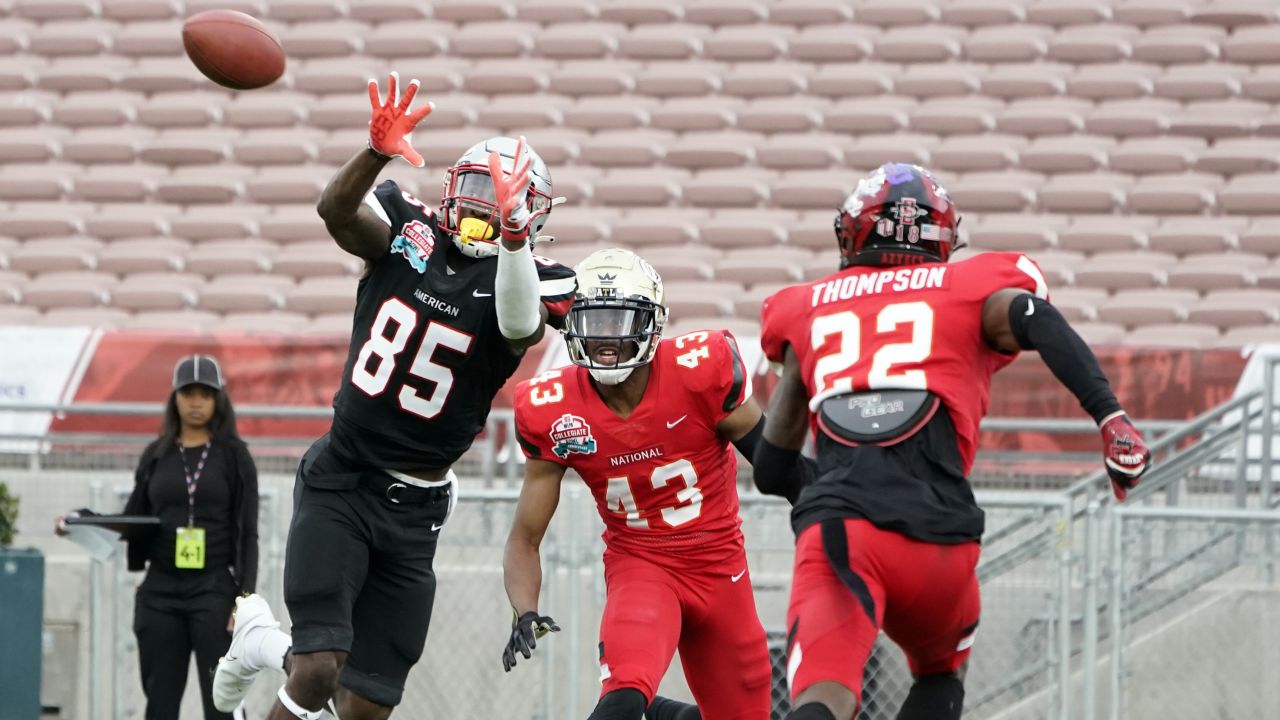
(108, 520)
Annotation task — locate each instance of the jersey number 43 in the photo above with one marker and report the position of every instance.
(437, 335)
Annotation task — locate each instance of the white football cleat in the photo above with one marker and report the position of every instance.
(234, 676)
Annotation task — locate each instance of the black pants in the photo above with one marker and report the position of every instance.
(174, 613)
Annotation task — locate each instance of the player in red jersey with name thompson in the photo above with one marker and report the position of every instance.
(649, 424)
(889, 363)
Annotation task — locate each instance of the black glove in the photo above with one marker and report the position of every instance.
(525, 631)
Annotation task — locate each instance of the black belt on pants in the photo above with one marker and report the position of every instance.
(400, 492)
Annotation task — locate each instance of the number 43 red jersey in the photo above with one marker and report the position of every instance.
(917, 327)
(663, 478)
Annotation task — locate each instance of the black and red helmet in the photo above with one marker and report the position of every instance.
(898, 215)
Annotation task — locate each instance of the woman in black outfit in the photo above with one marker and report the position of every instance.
(200, 480)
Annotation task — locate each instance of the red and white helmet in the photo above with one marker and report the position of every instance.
(898, 215)
(468, 212)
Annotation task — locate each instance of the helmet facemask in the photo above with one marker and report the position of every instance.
(616, 320)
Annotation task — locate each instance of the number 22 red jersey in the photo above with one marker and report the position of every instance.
(917, 327)
(663, 478)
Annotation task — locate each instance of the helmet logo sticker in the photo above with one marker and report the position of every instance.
(572, 434)
(906, 211)
(606, 278)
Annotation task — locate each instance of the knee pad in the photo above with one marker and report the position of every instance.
(811, 711)
(934, 697)
(624, 704)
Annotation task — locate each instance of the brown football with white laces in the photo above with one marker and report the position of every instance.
(233, 49)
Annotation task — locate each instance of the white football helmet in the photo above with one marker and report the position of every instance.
(467, 209)
(617, 317)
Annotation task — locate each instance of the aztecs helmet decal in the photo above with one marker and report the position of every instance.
(897, 215)
(468, 210)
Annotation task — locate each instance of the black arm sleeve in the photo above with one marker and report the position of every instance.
(781, 472)
(747, 443)
(1039, 326)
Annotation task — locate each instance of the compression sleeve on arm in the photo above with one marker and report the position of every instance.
(782, 472)
(516, 296)
(1037, 325)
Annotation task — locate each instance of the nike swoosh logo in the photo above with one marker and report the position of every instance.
(477, 293)
(736, 578)
(435, 527)
(1031, 308)
(676, 422)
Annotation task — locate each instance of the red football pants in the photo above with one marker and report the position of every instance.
(710, 616)
(924, 595)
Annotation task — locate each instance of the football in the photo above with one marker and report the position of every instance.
(233, 49)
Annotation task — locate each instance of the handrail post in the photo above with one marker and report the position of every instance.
(1090, 651)
(1117, 612)
(1064, 613)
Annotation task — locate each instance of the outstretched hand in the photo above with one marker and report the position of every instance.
(525, 632)
(391, 122)
(1125, 454)
(511, 192)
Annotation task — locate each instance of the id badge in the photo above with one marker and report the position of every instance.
(188, 554)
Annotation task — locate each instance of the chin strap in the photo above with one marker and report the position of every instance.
(610, 376)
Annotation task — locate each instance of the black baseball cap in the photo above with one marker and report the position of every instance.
(202, 369)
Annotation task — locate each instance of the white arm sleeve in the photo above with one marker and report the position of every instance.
(516, 295)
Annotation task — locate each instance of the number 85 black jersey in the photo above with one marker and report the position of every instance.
(426, 356)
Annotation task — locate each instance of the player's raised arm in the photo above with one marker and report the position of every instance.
(1014, 319)
(522, 560)
(777, 467)
(354, 225)
(521, 315)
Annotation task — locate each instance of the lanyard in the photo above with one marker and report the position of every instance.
(193, 479)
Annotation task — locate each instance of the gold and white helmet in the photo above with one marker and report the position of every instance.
(618, 314)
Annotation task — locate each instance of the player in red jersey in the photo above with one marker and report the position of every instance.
(890, 361)
(649, 424)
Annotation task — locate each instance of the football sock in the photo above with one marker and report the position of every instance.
(624, 704)
(811, 711)
(266, 647)
(934, 697)
(667, 709)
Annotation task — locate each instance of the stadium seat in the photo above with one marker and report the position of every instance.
(747, 304)
(1018, 42)
(805, 151)
(46, 10)
(201, 223)
(347, 75)
(1168, 44)
(1180, 335)
(1079, 304)
(277, 146)
(103, 318)
(698, 298)
(929, 81)
(1026, 80)
(337, 38)
(764, 265)
(1154, 13)
(1092, 43)
(517, 114)
(842, 43)
(786, 114)
(1098, 192)
(607, 113)
(695, 114)
(626, 148)
(1217, 271)
(161, 75)
(37, 181)
(767, 79)
(808, 189)
(323, 295)
(970, 115)
(573, 225)
(201, 185)
(712, 150)
(1201, 82)
(571, 255)
(1005, 191)
(156, 291)
(182, 109)
(1263, 83)
(1180, 193)
(68, 289)
(1234, 156)
(105, 145)
(1096, 333)
(742, 187)
(507, 76)
(1135, 308)
(1145, 155)
(292, 184)
(1235, 13)
(579, 41)
(82, 74)
(640, 187)
(46, 255)
(188, 147)
(677, 266)
(866, 152)
(315, 259)
(27, 145)
(143, 39)
(1250, 335)
(1130, 118)
(726, 12)
(262, 323)
(1250, 194)
(840, 80)
(734, 229)
(279, 109)
(576, 183)
(1016, 232)
(1113, 81)
(243, 293)
(594, 78)
(884, 114)
(80, 37)
(292, 223)
(143, 255)
(131, 220)
(1124, 270)
(1232, 308)
(170, 321)
(328, 324)
(96, 109)
(46, 219)
(684, 324)
(1066, 153)
(1262, 236)
(909, 44)
(118, 183)
(1216, 119)
(1196, 235)
(642, 226)
(547, 12)
(212, 258)
(1034, 117)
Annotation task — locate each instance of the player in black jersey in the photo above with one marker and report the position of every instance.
(448, 303)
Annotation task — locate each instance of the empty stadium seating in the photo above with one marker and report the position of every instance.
(1131, 146)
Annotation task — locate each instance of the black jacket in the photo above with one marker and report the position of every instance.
(244, 503)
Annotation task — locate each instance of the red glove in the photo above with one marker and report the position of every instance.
(1124, 452)
(391, 122)
(511, 193)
